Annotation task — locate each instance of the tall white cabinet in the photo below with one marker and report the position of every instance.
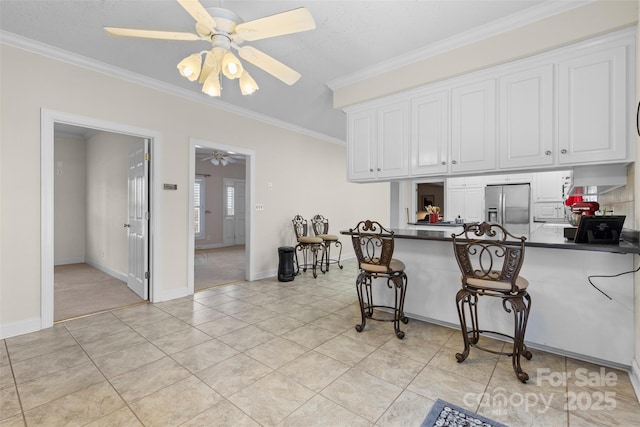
(592, 107)
(430, 133)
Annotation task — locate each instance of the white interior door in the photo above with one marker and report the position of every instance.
(138, 276)
(234, 212)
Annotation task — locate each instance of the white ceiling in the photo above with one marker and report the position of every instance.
(350, 37)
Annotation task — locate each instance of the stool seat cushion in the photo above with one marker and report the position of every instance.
(329, 237)
(521, 284)
(395, 266)
(309, 239)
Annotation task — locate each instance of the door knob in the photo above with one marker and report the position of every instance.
(126, 225)
(548, 152)
(563, 151)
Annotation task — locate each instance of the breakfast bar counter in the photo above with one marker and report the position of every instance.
(582, 306)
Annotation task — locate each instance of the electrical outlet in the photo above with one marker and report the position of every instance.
(59, 171)
(259, 207)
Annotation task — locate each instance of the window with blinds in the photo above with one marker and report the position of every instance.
(230, 201)
(198, 208)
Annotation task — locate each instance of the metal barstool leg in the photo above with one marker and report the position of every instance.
(462, 299)
(361, 281)
(400, 284)
(339, 245)
(520, 316)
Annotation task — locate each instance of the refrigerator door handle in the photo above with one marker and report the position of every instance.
(501, 208)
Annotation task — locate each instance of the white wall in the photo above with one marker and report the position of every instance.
(107, 176)
(308, 175)
(70, 200)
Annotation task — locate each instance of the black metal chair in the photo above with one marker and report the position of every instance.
(373, 245)
(306, 244)
(320, 227)
(490, 259)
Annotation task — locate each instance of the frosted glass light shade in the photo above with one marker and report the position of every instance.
(231, 66)
(189, 67)
(247, 84)
(211, 85)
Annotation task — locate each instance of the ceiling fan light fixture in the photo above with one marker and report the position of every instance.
(215, 161)
(211, 85)
(231, 66)
(224, 161)
(189, 67)
(247, 84)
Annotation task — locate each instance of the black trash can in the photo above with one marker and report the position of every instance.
(286, 271)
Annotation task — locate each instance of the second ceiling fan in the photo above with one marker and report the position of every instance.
(226, 30)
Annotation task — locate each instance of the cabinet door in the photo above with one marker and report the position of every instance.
(526, 118)
(393, 141)
(362, 149)
(474, 205)
(592, 107)
(548, 211)
(455, 203)
(473, 127)
(429, 133)
(548, 186)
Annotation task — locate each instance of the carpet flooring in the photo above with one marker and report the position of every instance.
(80, 289)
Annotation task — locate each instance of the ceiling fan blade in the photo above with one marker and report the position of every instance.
(293, 21)
(199, 13)
(269, 64)
(207, 158)
(152, 34)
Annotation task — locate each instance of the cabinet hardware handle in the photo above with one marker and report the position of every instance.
(563, 151)
(126, 225)
(453, 162)
(548, 152)
(370, 170)
(379, 169)
(443, 163)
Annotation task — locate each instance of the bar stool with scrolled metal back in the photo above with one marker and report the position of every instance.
(490, 266)
(321, 229)
(306, 243)
(373, 245)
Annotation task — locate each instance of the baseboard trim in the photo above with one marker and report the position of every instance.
(113, 273)
(13, 329)
(634, 376)
(79, 260)
(215, 246)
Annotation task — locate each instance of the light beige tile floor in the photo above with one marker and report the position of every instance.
(287, 354)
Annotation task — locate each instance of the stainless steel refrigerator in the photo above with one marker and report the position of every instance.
(508, 205)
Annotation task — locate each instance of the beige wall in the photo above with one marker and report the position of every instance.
(70, 200)
(565, 28)
(307, 175)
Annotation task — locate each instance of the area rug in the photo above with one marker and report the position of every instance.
(446, 414)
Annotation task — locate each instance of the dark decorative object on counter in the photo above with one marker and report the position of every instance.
(600, 229)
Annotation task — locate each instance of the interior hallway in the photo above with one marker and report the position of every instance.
(219, 266)
(271, 353)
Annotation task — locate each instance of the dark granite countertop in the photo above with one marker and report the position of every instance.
(543, 237)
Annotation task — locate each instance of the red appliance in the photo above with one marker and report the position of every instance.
(582, 208)
(585, 208)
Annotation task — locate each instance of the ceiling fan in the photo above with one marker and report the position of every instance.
(218, 158)
(225, 30)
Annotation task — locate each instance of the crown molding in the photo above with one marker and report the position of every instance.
(20, 42)
(536, 13)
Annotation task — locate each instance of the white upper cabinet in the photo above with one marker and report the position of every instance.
(526, 118)
(378, 142)
(592, 107)
(549, 186)
(430, 134)
(362, 155)
(473, 126)
(562, 108)
(393, 140)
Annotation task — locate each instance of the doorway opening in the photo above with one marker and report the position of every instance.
(98, 248)
(220, 234)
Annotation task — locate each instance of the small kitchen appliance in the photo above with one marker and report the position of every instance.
(582, 208)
